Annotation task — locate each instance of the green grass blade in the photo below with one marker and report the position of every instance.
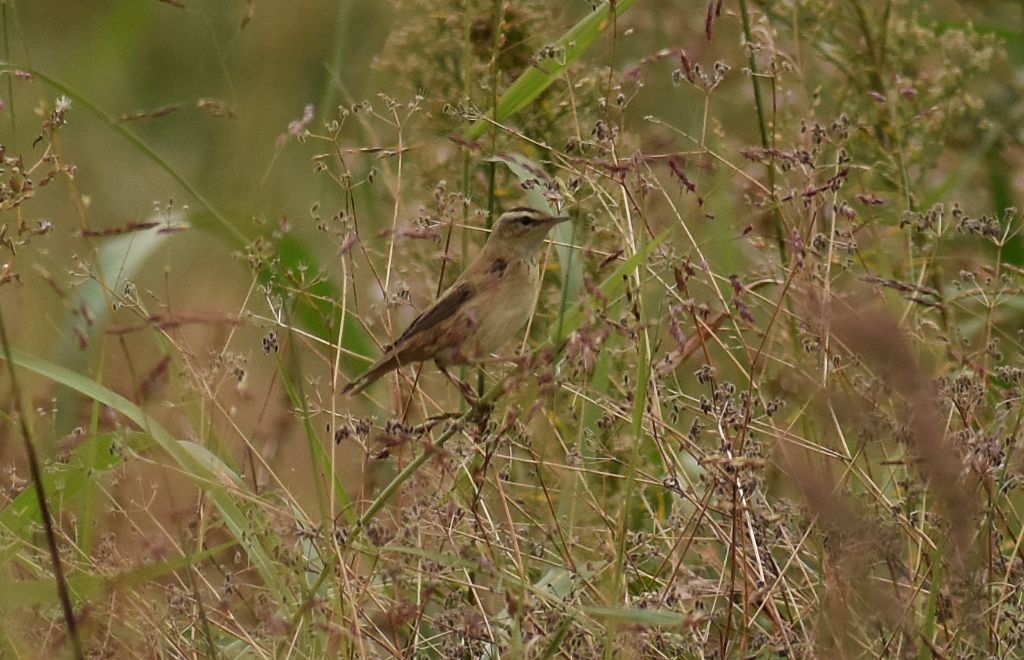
(94, 457)
(205, 469)
(291, 252)
(316, 308)
(537, 78)
(643, 369)
(135, 141)
(636, 617)
(321, 461)
(613, 286)
(36, 593)
(119, 260)
(87, 500)
(555, 646)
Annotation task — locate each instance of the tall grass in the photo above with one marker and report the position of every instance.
(769, 403)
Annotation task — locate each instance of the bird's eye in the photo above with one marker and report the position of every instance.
(525, 220)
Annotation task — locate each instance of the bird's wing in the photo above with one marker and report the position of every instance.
(443, 309)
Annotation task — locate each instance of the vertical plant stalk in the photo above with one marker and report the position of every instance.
(291, 380)
(499, 10)
(10, 79)
(467, 72)
(563, 305)
(619, 590)
(762, 122)
(389, 491)
(44, 507)
(643, 372)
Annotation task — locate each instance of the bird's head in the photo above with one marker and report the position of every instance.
(523, 228)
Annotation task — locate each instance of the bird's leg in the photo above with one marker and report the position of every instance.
(464, 388)
(432, 421)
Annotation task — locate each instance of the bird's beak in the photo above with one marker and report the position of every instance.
(557, 219)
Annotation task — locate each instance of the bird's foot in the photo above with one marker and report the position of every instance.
(464, 388)
(430, 422)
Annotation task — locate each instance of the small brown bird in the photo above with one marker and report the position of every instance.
(485, 307)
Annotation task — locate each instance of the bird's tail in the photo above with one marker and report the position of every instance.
(370, 377)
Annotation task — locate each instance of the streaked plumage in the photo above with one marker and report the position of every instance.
(486, 306)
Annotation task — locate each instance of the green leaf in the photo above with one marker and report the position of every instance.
(205, 469)
(136, 141)
(119, 260)
(552, 587)
(537, 78)
(95, 456)
(310, 310)
(555, 646)
(35, 593)
(320, 460)
(613, 286)
(316, 309)
(628, 615)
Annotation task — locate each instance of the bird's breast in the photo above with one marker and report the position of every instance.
(499, 312)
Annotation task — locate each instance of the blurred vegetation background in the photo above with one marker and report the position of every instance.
(769, 404)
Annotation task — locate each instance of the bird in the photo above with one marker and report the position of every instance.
(483, 309)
